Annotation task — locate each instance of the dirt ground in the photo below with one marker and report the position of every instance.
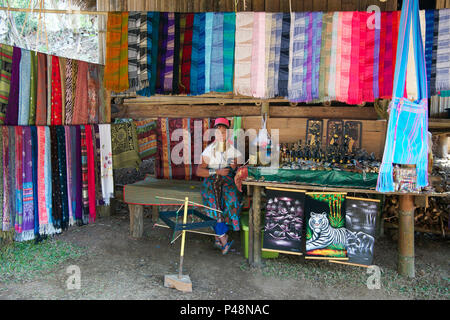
(115, 266)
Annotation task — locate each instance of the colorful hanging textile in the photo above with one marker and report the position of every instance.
(124, 145)
(369, 49)
(176, 57)
(268, 36)
(162, 46)
(325, 54)
(56, 99)
(316, 46)
(28, 187)
(33, 88)
(116, 68)
(274, 56)
(12, 175)
(56, 186)
(434, 54)
(90, 172)
(195, 54)
(62, 72)
(6, 209)
(18, 222)
(155, 41)
(443, 52)
(1, 178)
(376, 55)
(80, 107)
(209, 17)
(258, 74)
(186, 57)
(106, 163)
(101, 98)
(24, 88)
(217, 76)
(71, 70)
(41, 90)
(229, 31)
(69, 181)
(354, 91)
(243, 53)
(12, 112)
(283, 75)
(93, 91)
(6, 53)
(84, 175)
(307, 62)
(144, 56)
(297, 56)
(49, 89)
(332, 79)
(429, 33)
(134, 23)
(406, 138)
(345, 61)
(62, 170)
(146, 135)
(169, 53)
(41, 187)
(97, 155)
(77, 176)
(34, 157)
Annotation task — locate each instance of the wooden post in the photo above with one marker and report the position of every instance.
(406, 236)
(256, 221)
(136, 220)
(155, 213)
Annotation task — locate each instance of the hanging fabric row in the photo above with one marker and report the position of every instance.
(302, 56)
(53, 177)
(41, 89)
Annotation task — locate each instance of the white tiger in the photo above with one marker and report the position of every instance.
(324, 235)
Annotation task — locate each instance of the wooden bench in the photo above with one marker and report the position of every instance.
(145, 193)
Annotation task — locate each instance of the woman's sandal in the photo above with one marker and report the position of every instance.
(227, 247)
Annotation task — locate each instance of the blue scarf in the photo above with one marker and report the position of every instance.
(208, 46)
(429, 34)
(24, 88)
(197, 83)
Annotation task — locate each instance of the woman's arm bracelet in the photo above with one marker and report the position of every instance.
(212, 172)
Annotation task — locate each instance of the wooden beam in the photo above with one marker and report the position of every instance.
(135, 111)
(255, 219)
(136, 220)
(406, 236)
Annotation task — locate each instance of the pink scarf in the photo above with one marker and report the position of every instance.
(346, 50)
(354, 92)
(338, 56)
(369, 60)
(43, 218)
(258, 70)
(91, 172)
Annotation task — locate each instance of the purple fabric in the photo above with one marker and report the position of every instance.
(163, 48)
(376, 58)
(12, 113)
(28, 205)
(170, 45)
(78, 179)
(69, 172)
(309, 31)
(316, 47)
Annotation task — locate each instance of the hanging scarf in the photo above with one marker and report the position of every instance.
(155, 41)
(169, 53)
(24, 87)
(134, 22)
(387, 53)
(33, 88)
(325, 55)
(56, 187)
(186, 58)
(49, 89)
(12, 179)
(69, 181)
(429, 32)
(338, 56)
(13, 99)
(77, 176)
(90, 173)
(101, 97)
(258, 55)
(28, 187)
(345, 61)
(6, 199)
(368, 93)
(316, 46)
(283, 76)
(243, 54)
(1, 178)
(268, 37)
(93, 90)
(334, 40)
(354, 92)
(274, 55)
(198, 55)
(376, 57)
(18, 223)
(70, 86)
(84, 175)
(62, 72)
(208, 48)
(41, 94)
(144, 53)
(297, 56)
(382, 52)
(434, 54)
(176, 57)
(80, 107)
(6, 53)
(43, 213)
(62, 170)
(56, 111)
(116, 68)
(307, 61)
(97, 157)
(34, 160)
(217, 80)
(229, 31)
(49, 187)
(106, 163)
(443, 52)
(162, 44)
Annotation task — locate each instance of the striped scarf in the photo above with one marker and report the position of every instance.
(33, 88)
(345, 56)
(325, 55)
(354, 92)
(316, 47)
(196, 56)
(70, 85)
(274, 56)
(243, 53)
(268, 37)
(297, 56)
(258, 55)
(144, 50)
(283, 74)
(116, 68)
(176, 57)
(13, 99)
(434, 53)
(24, 87)
(217, 79)
(169, 53)
(333, 50)
(186, 58)
(369, 49)
(429, 33)
(6, 53)
(134, 32)
(443, 52)
(208, 48)
(229, 31)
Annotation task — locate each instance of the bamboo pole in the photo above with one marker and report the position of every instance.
(37, 11)
(406, 236)
(183, 237)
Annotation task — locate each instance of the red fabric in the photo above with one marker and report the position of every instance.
(362, 51)
(369, 61)
(383, 57)
(80, 108)
(56, 116)
(354, 93)
(186, 58)
(91, 173)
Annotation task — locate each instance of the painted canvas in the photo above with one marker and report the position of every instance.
(326, 235)
(360, 221)
(284, 221)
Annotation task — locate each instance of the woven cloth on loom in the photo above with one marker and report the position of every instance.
(146, 135)
(116, 68)
(186, 162)
(124, 145)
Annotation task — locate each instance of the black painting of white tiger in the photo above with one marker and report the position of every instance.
(324, 235)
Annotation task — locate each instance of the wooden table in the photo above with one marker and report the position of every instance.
(406, 220)
(145, 193)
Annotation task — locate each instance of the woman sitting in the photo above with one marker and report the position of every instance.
(218, 164)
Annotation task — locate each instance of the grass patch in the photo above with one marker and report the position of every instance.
(24, 261)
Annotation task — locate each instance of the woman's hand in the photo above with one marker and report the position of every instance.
(223, 172)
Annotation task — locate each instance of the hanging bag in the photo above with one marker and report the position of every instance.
(406, 137)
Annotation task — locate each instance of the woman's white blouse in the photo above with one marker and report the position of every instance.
(219, 160)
